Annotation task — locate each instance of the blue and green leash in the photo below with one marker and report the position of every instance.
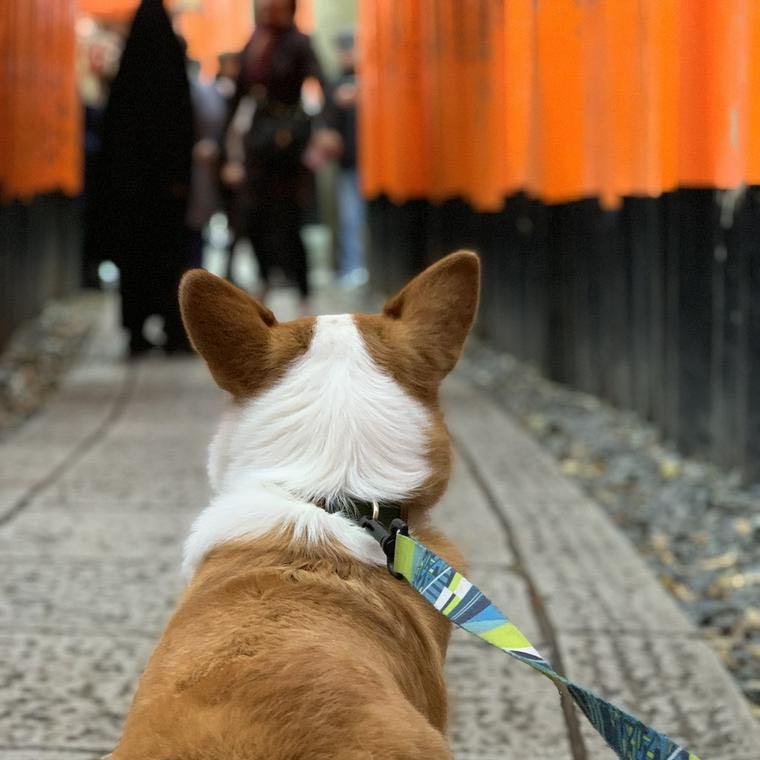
(465, 605)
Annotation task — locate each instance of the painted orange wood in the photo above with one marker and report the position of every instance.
(752, 132)
(564, 99)
(40, 113)
(514, 78)
(112, 10)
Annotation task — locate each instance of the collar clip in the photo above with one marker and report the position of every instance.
(386, 537)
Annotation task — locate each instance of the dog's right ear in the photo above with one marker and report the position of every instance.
(228, 328)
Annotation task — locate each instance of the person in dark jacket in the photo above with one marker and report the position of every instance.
(274, 65)
(145, 175)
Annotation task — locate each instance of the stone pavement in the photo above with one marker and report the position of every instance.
(97, 494)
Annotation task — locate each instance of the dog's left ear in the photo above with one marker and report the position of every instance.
(438, 308)
(229, 329)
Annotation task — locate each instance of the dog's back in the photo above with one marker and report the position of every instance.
(279, 656)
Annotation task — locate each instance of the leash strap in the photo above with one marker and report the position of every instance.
(467, 607)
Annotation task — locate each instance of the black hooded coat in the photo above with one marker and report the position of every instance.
(145, 172)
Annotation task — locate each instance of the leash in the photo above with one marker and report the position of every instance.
(465, 605)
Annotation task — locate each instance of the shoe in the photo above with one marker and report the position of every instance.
(354, 279)
(138, 347)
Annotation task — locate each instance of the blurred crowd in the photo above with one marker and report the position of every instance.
(166, 150)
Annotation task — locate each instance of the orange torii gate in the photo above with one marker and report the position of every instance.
(40, 113)
(562, 99)
(40, 142)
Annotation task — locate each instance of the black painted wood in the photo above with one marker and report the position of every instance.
(670, 262)
(560, 240)
(39, 257)
(751, 301)
(654, 306)
(538, 347)
(494, 322)
(641, 237)
(698, 220)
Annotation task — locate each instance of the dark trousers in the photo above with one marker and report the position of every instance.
(275, 233)
(150, 271)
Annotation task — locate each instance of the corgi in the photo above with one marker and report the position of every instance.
(292, 641)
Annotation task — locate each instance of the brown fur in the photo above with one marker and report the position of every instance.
(245, 347)
(417, 340)
(276, 652)
(275, 655)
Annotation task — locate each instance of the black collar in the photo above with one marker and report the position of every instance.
(382, 512)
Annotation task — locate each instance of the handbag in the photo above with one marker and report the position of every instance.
(278, 135)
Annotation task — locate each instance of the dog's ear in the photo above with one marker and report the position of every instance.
(438, 308)
(228, 328)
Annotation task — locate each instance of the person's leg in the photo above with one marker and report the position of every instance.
(171, 252)
(231, 245)
(194, 249)
(300, 265)
(135, 306)
(259, 222)
(352, 220)
(291, 247)
(176, 337)
(237, 223)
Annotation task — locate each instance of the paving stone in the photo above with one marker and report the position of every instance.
(500, 708)
(473, 419)
(465, 518)
(88, 495)
(676, 685)
(40, 753)
(90, 569)
(96, 533)
(86, 397)
(588, 574)
(619, 633)
(594, 580)
(61, 691)
(80, 595)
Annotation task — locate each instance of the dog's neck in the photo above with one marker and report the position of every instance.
(255, 508)
(334, 424)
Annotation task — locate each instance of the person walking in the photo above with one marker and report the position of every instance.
(274, 65)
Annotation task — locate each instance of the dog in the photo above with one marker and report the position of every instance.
(292, 640)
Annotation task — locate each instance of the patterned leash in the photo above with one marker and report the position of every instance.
(469, 608)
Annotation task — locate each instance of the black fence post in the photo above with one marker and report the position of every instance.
(654, 306)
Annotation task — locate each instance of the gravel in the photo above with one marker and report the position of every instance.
(696, 525)
(39, 352)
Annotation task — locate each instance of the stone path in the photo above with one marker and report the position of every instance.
(98, 491)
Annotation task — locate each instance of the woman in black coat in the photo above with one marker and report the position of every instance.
(145, 175)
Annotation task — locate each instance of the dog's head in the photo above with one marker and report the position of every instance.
(336, 406)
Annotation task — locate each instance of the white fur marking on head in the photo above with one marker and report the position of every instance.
(334, 425)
